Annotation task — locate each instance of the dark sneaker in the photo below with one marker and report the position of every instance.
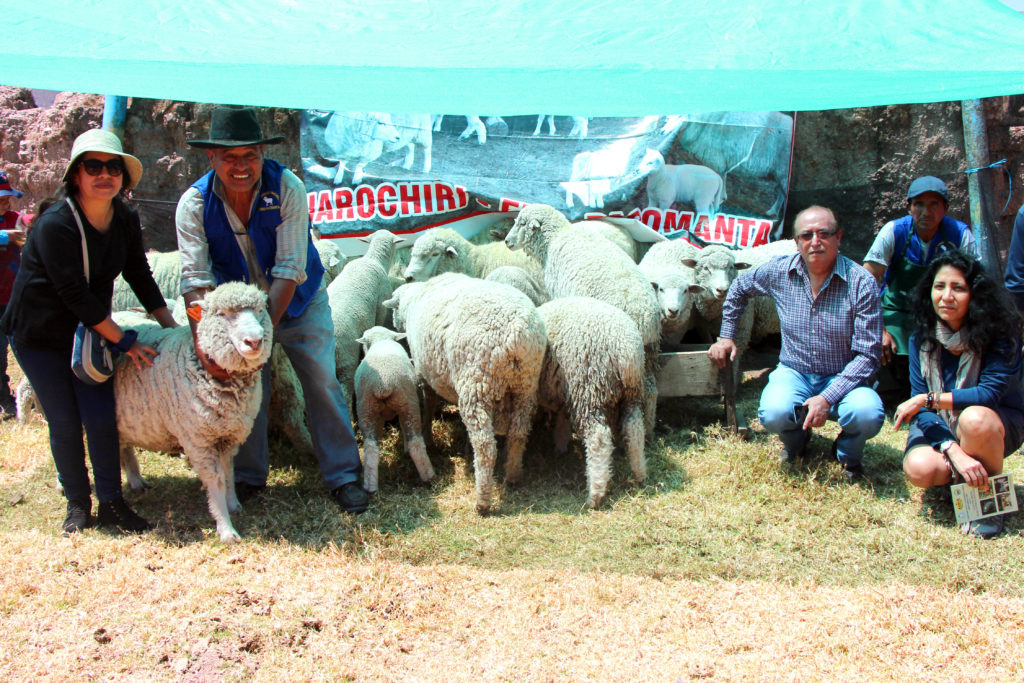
(853, 472)
(990, 527)
(8, 408)
(787, 456)
(78, 517)
(117, 513)
(245, 491)
(351, 497)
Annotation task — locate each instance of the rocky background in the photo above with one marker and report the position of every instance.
(858, 162)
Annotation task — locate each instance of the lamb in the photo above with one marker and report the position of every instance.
(175, 406)
(598, 173)
(414, 131)
(386, 388)
(166, 268)
(514, 276)
(755, 144)
(578, 263)
(356, 297)
(716, 269)
(357, 138)
(698, 186)
(330, 257)
(479, 345)
(443, 250)
(593, 377)
(669, 266)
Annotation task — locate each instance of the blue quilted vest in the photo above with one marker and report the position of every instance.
(907, 245)
(225, 255)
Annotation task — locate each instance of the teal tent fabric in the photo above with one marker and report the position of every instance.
(596, 58)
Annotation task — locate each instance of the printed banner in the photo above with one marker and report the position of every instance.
(719, 178)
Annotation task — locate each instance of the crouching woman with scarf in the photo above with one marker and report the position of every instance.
(966, 413)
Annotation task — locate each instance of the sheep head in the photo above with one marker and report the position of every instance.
(400, 301)
(235, 328)
(438, 250)
(533, 229)
(377, 334)
(716, 269)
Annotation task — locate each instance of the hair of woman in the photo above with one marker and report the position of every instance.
(991, 317)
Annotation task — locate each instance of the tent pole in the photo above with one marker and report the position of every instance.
(115, 111)
(979, 188)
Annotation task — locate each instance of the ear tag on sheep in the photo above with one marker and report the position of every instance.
(195, 312)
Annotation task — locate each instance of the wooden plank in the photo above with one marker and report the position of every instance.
(687, 373)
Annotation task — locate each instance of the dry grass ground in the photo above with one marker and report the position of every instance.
(723, 567)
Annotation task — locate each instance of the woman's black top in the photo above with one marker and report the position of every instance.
(51, 295)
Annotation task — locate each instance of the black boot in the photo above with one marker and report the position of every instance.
(78, 516)
(117, 513)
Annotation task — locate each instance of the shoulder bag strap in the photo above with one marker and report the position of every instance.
(81, 231)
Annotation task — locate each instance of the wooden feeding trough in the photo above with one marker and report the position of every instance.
(689, 372)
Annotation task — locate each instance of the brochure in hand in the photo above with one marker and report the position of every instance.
(970, 503)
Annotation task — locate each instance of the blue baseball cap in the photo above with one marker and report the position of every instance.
(928, 183)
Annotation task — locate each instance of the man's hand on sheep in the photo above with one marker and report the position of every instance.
(722, 351)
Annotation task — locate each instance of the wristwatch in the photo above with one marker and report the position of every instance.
(945, 446)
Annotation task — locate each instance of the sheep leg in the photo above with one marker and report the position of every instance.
(597, 439)
(563, 433)
(371, 449)
(480, 428)
(632, 427)
(651, 364)
(227, 463)
(209, 465)
(413, 435)
(339, 177)
(130, 466)
(523, 407)
(429, 409)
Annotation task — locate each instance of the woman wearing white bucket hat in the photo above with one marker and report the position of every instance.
(52, 294)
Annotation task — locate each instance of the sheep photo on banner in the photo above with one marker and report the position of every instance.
(713, 178)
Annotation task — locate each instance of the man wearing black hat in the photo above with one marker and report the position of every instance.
(247, 220)
(899, 257)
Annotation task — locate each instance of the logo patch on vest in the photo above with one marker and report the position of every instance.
(269, 201)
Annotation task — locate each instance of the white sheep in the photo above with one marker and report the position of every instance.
(356, 297)
(597, 173)
(593, 379)
(479, 345)
(331, 257)
(716, 269)
(620, 237)
(514, 276)
(166, 269)
(669, 266)
(175, 406)
(357, 138)
(414, 131)
(580, 263)
(443, 250)
(386, 388)
(697, 186)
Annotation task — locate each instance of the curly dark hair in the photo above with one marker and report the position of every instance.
(992, 316)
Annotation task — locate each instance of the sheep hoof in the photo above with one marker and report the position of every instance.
(229, 535)
(137, 484)
(593, 502)
(482, 509)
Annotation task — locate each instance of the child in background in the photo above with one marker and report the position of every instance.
(12, 236)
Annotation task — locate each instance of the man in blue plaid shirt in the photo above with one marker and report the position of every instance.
(831, 341)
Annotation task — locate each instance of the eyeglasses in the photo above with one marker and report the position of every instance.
(94, 166)
(822, 235)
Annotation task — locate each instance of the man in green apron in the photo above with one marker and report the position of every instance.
(898, 258)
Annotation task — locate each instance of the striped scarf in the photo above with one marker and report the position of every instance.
(966, 373)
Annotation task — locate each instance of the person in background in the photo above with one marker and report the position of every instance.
(51, 296)
(897, 258)
(247, 220)
(1015, 262)
(966, 414)
(12, 237)
(831, 342)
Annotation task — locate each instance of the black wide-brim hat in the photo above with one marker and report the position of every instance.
(230, 127)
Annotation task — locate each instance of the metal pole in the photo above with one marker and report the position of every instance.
(979, 188)
(115, 111)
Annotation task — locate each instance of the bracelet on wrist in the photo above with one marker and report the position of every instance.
(126, 341)
(929, 401)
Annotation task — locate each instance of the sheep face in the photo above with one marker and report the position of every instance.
(716, 269)
(675, 292)
(399, 301)
(533, 228)
(235, 329)
(429, 257)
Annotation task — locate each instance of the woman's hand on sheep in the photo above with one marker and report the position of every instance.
(140, 353)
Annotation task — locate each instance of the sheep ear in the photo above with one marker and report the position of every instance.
(365, 238)
(451, 251)
(740, 265)
(689, 262)
(534, 224)
(497, 235)
(655, 286)
(361, 340)
(693, 289)
(391, 303)
(399, 336)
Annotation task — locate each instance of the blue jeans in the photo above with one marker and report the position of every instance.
(68, 404)
(309, 342)
(859, 412)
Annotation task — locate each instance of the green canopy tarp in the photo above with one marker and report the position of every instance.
(598, 58)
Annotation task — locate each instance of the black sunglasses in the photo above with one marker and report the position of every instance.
(115, 167)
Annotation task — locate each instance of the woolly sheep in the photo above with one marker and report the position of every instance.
(514, 276)
(175, 406)
(716, 269)
(166, 268)
(593, 377)
(356, 297)
(697, 186)
(443, 250)
(331, 257)
(578, 263)
(479, 345)
(357, 138)
(669, 266)
(386, 388)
